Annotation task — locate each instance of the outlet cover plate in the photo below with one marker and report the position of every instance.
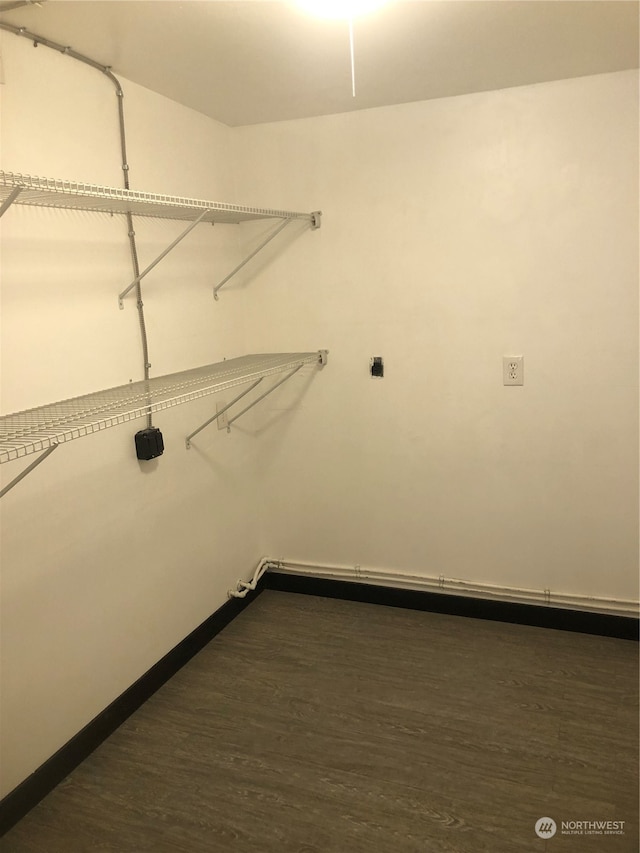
(513, 370)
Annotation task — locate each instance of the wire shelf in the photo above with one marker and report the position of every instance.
(49, 192)
(35, 430)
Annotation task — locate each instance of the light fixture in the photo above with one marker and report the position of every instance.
(340, 9)
(345, 10)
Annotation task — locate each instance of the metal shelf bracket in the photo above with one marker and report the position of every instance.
(315, 219)
(262, 396)
(28, 469)
(273, 234)
(13, 195)
(162, 255)
(221, 412)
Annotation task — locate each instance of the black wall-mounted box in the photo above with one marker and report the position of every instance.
(149, 443)
(376, 366)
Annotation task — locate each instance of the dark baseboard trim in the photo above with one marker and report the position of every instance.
(542, 616)
(35, 787)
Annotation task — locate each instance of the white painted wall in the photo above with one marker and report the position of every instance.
(456, 231)
(107, 563)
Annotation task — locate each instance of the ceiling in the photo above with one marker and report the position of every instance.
(250, 61)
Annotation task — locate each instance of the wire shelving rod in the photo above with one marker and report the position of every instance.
(51, 192)
(35, 430)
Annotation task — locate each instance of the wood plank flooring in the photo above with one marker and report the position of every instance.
(313, 725)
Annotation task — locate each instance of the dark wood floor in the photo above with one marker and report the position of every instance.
(312, 725)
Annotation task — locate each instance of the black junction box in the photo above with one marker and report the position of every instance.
(149, 443)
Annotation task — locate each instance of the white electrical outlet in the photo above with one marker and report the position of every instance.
(513, 370)
(223, 421)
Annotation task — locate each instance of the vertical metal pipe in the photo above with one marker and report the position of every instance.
(106, 70)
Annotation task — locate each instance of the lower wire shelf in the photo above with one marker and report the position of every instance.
(36, 430)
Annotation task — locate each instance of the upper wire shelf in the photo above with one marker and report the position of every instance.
(48, 192)
(35, 430)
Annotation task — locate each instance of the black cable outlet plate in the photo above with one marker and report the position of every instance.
(377, 366)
